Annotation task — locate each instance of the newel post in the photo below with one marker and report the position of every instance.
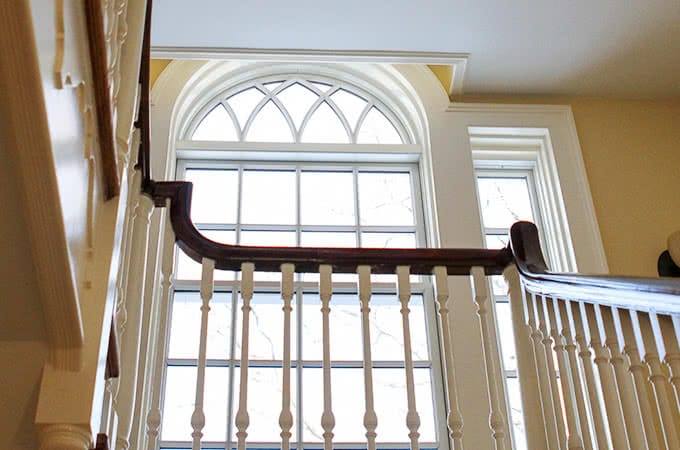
(526, 364)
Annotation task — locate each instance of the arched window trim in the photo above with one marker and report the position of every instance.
(306, 79)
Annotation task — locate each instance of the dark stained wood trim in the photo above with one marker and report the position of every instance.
(102, 442)
(307, 260)
(102, 93)
(112, 355)
(143, 118)
(527, 254)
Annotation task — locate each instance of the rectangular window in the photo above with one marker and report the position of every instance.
(505, 197)
(329, 205)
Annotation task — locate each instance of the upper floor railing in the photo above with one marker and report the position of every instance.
(598, 356)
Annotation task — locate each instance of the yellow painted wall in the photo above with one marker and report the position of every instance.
(631, 150)
(156, 67)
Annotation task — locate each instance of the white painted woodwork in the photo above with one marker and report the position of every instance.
(526, 364)
(552, 372)
(412, 417)
(65, 437)
(153, 418)
(286, 416)
(659, 381)
(631, 410)
(610, 394)
(574, 439)
(325, 293)
(242, 419)
(549, 419)
(494, 378)
(454, 418)
(576, 381)
(581, 338)
(198, 416)
(669, 329)
(131, 338)
(370, 417)
(640, 374)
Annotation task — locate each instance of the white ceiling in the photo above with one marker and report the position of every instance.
(622, 48)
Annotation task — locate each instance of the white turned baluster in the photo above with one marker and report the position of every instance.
(286, 416)
(624, 383)
(640, 377)
(549, 418)
(552, 374)
(153, 419)
(370, 418)
(242, 419)
(658, 379)
(670, 333)
(198, 417)
(526, 364)
(325, 292)
(494, 377)
(412, 417)
(580, 337)
(454, 418)
(570, 347)
(607, 383)
(574, 439)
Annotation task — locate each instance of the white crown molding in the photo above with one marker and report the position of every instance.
(457, 61)
(507, 108)
(28, 140)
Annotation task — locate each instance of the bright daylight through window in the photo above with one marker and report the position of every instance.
(300, 203)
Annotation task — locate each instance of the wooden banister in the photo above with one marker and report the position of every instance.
(343, 260)
(102, 93)
(659, 294)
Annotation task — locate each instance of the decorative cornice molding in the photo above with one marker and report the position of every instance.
(457, 61)
(507, 108)
(28, 138)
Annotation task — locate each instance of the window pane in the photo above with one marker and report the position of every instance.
(185, 326)
(214, 195)
(391, 407)
(344, 327)
(216, 126)
(388, 240)
(269, 125)
(264, 404)
(504, 201)
(496, 241)
(323, 87)
(385, 198)
(505, 335)
(324, 239)
(268, 197)
(351, 106)
(348, 405)
(266, 328)
(327, 198)
(516, 415)
(297, 100)
(324, 126)
(272, 85)
(243, 104)
(188, 269)
(499, 285)
(376, 129)
(387, 335)
(180, 394)
(268, 238)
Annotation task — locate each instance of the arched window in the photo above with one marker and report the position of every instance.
(294, 109)
(282, 160)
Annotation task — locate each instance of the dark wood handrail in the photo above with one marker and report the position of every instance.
(624, 291)
(102, 93)
(343, 260)
(143, 118)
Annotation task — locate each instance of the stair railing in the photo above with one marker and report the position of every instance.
(603, 352)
